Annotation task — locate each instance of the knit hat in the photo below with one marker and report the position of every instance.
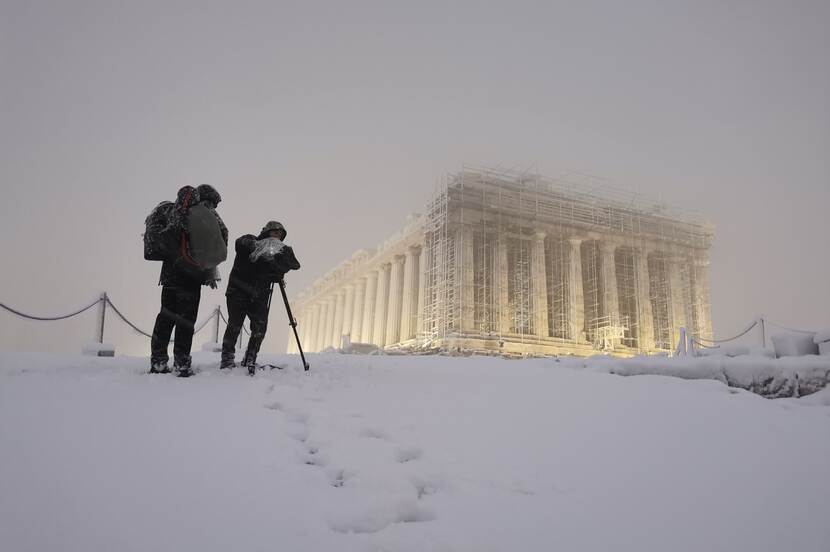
(273, 225)
(208, 193)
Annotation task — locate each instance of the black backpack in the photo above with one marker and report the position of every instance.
(161, 233)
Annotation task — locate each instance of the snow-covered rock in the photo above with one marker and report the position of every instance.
(770, 377)
(822, 339)
(735, 350)
(794, 344)
(821, 336)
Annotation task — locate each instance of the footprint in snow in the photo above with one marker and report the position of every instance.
(314, 459)
(375, 433)
(298, 417)
(338, 477)
(408, 454)
(381, 516)
(299, 434)
(425, 487)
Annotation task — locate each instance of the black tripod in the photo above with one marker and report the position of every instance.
(291, 321)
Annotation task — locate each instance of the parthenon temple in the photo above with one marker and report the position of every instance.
(515, 264)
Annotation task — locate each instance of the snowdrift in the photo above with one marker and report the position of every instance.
(408, 454)
(793, 376)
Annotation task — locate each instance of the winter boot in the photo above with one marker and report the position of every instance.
(159, 367)
(228, 362)
(183, 368)
(249, 362)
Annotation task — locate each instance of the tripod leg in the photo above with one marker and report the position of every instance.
(293, 324)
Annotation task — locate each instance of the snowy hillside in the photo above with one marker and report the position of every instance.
(402, 454)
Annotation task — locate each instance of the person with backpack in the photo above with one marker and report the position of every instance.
(190, 239)
(260, 262)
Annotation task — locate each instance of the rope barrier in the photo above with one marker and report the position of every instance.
(204, 323)
(127, 322)
(225, 320)
(704, 345)
(145, 334)
(49, 318)
(779, 326)
(197, 328)
(703, 342)
(743, 333)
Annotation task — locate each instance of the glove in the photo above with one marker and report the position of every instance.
(213, 278)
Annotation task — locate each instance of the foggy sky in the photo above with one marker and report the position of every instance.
(337, 119)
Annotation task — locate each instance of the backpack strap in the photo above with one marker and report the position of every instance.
(184, 249)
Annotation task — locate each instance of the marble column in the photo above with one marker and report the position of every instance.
(381, 304)
(330, 305)
(303, 315)
(338, 319)
(701, 291)
(393, 315)
(678, 314)
(410, 294)
(576, 305)
(305, 325)
(290, 345)
(540, 286)
(348, 312)
(646, 321)
(357, 313)
(423, 263)
(502, 275)
(312, 338)
(611, 301)
(324, 325)
(367, 326)
(466, 278)
(315, 332)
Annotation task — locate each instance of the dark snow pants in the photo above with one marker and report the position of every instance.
(179, 307)
(256, 309)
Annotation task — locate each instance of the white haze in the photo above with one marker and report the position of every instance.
(338, 119)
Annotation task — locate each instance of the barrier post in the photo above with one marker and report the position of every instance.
(216, 325)
(763, 333)
(98, 348)
(681, 343)
(102, 314)
(214, 346)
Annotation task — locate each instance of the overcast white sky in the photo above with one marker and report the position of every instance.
(337, 119)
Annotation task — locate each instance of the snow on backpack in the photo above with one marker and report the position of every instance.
(185, 232)
(161, 234)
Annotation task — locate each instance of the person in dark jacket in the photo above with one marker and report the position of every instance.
(260, 261)
(181, 291)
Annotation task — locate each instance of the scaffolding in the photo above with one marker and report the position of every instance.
(592, 292)
(482, 265)
(660, 297)
(438, 318)
(484, 282)
(628, 296)
(557, 257)
(520, 282)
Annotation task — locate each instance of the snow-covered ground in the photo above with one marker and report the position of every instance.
(403, 454)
